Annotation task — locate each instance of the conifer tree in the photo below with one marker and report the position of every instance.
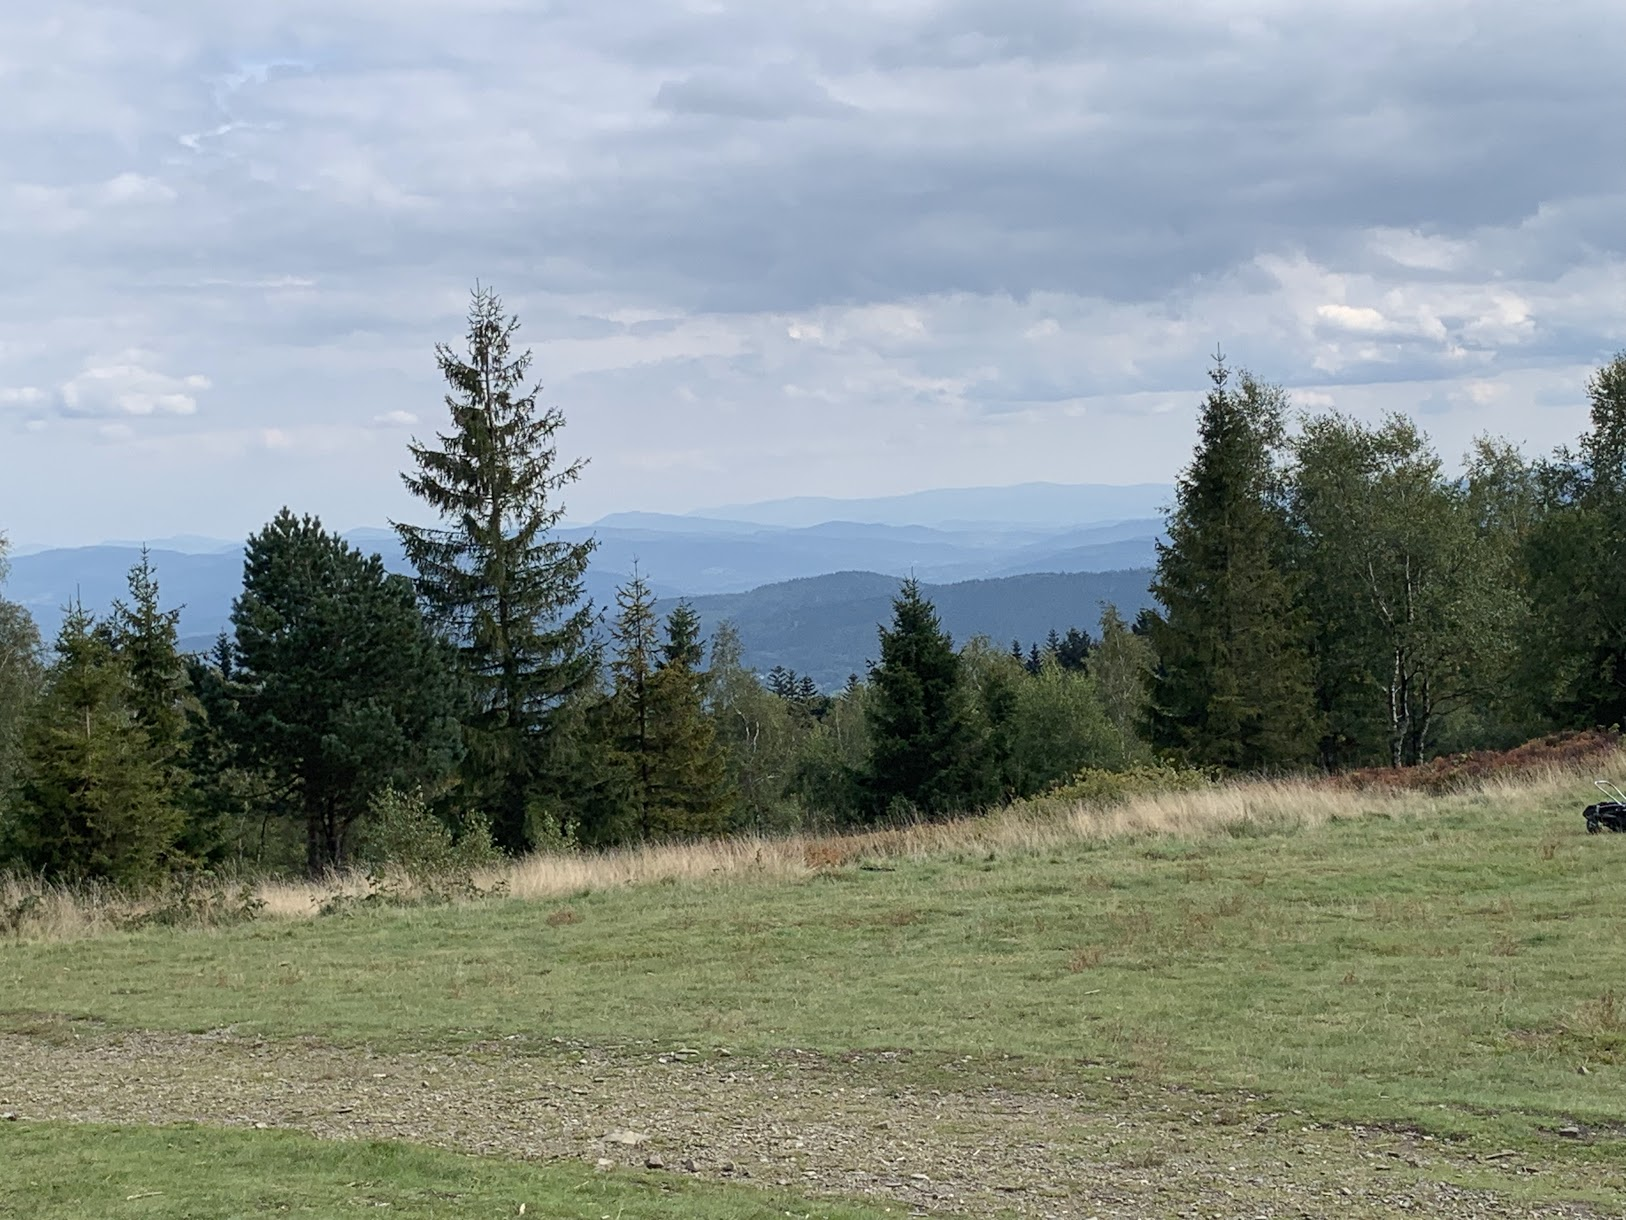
(664, 741)
(1233, 684)
(345, 689)
(925, 752)
(95, 802)
(635, 636)
(495, 578)
(689, 789)
(145, 636)
(1073, 652)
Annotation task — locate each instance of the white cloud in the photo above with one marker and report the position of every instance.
(21, 396)
(125, 386)
(937, 241)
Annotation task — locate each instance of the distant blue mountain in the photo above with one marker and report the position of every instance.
(1041, 504)
(710, 557)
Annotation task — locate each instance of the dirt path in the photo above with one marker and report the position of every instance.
(854, 1127)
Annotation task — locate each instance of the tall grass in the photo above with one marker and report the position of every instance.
(36, 910)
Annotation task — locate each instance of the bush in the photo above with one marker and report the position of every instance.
(1449, 772)
(1097, 786)
(405, 840)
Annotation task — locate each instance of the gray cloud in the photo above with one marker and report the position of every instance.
(726, 227)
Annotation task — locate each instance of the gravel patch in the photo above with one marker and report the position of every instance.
(866, 1125)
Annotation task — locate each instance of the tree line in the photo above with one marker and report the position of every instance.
(1328, 597)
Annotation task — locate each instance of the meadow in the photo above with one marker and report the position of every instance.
(1273, 995)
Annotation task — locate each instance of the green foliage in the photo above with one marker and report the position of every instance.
(20, 678)
(1574, 652)
(1233, 685)
(344, 689)
(1412, 606)
(833, 762)
(496, 580)
(1104, 786)
(926, 753)
(1123, 665)
(664, 745)
(403, 839)
(761, 737)
(97, 801)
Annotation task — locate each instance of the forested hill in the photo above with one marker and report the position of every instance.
(825, 626)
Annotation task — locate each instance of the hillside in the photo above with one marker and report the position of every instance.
(820, 625)
(825, 626)
(1272, 1000)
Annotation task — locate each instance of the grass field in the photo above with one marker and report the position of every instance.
(1447, 967)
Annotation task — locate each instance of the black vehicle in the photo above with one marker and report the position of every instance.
(1609, 814)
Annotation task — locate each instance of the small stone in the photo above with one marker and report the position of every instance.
(654, 1161)
(604, 1163)
(726, 1167)
(687, 1165)
(262, 1126)
(8, 1116)
(627, 1139)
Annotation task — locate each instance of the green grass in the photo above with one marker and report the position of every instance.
(1454, 969)
(67, 1171)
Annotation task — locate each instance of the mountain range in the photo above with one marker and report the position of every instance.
(804, 593)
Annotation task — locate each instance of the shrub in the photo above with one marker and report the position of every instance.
(1576, 748)
(405, 840)
(1098, 786)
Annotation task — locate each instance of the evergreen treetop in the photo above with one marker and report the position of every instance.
(494, 577)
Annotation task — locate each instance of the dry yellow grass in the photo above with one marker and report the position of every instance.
(35, 910)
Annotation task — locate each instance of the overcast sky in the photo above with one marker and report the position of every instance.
(848, 247)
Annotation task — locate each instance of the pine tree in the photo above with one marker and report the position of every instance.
(1073, 652)
(925, 753)
(496, 580)
(635, 636)
(664, 742)
(346, 689)
(690, 773)
(1035, 661)
(1233, 684)
(95, 801)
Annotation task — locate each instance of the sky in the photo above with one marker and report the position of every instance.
(848, 247)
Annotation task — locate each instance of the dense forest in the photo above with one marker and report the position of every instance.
(1330, 596)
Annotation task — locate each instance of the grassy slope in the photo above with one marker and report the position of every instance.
(1452, 969)
(64, 1171)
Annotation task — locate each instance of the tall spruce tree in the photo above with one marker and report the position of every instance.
(1233, 681)
(95, 802)
(495, 578)
(926, 754)
(345, 690)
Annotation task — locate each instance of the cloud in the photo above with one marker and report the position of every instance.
(125, 386)
(21, 396)
(772, 93)
(936, 241)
